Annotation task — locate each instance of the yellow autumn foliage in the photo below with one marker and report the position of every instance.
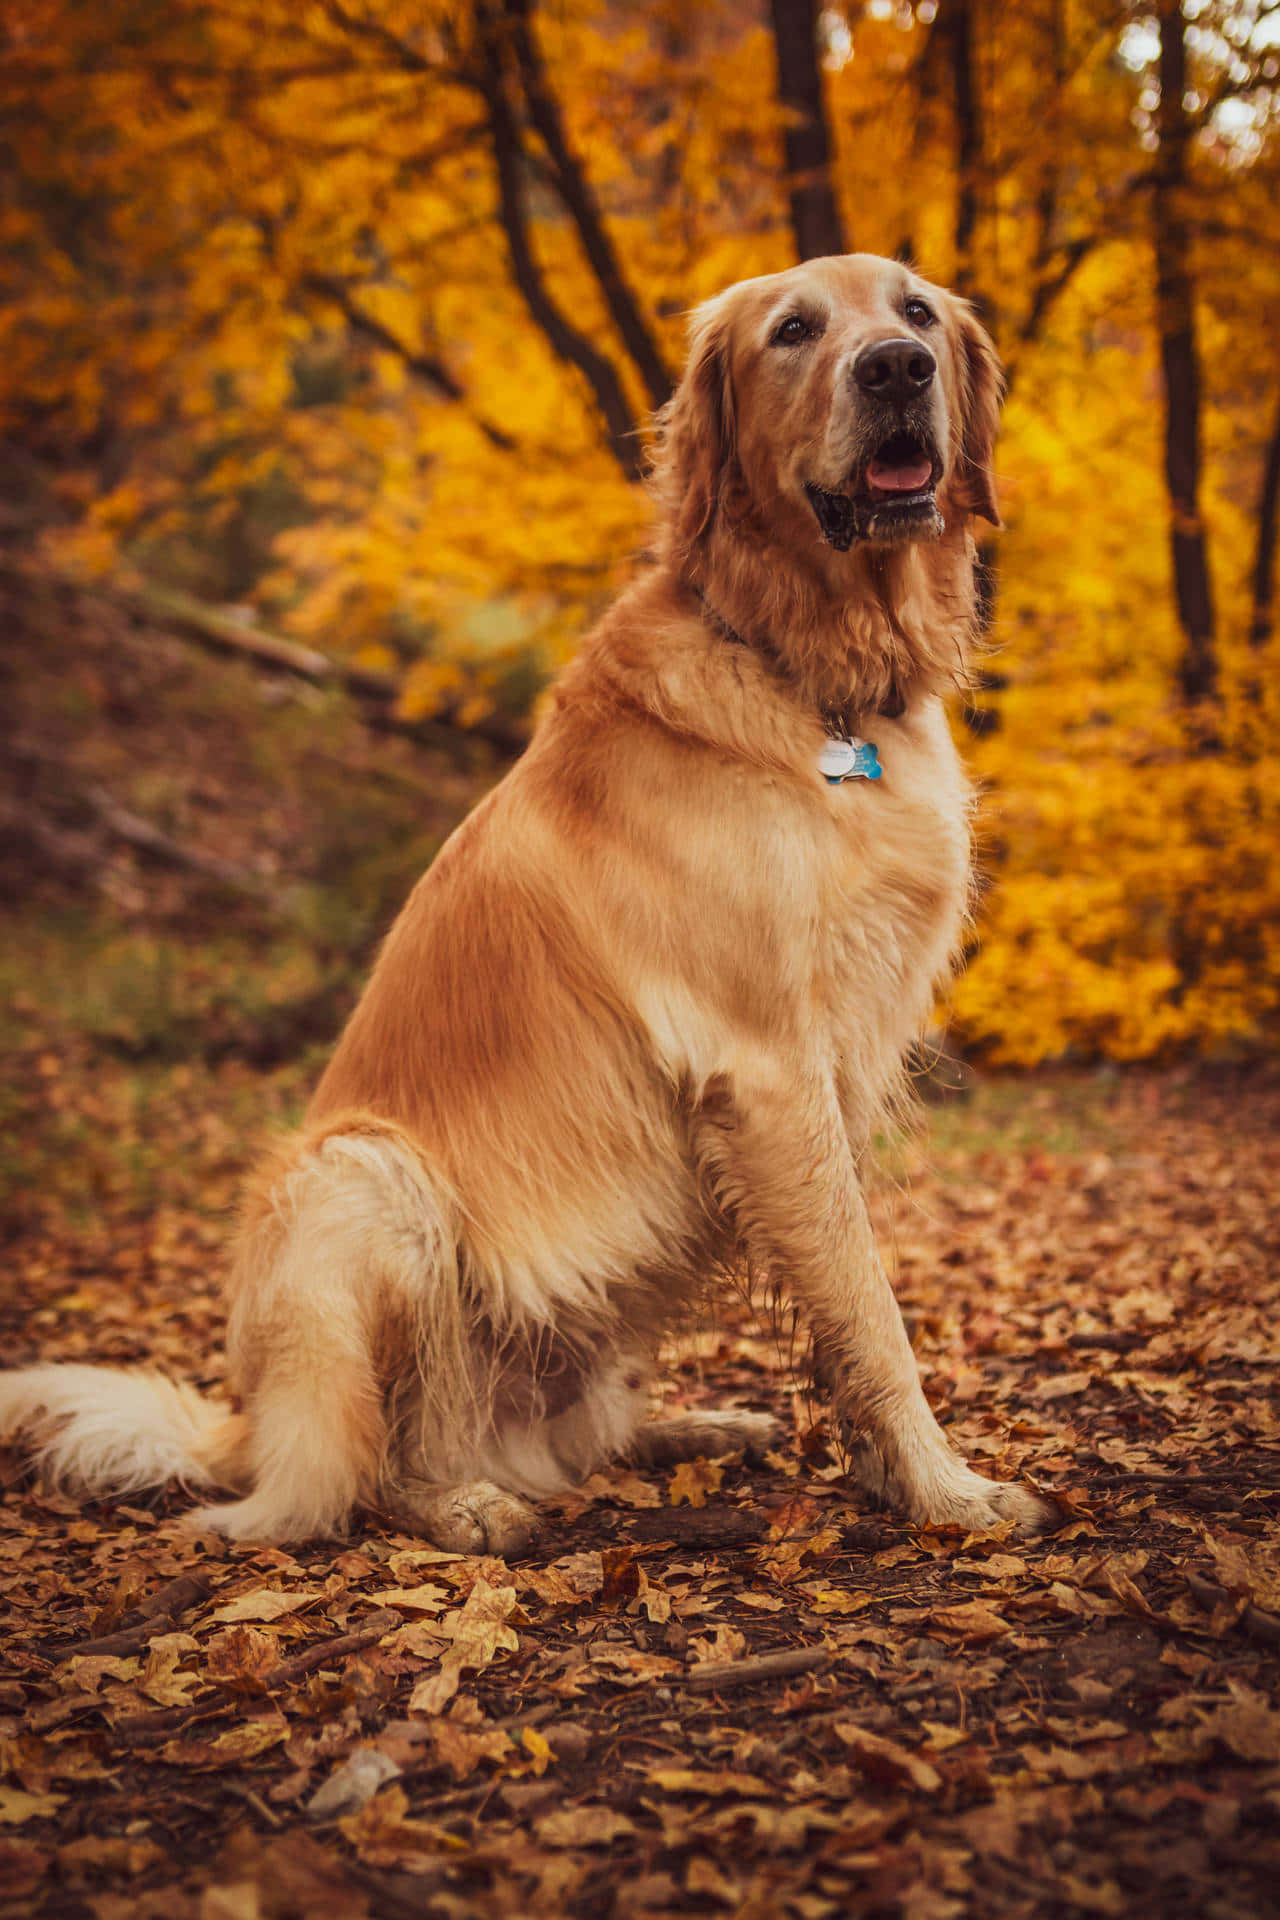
(266, 333)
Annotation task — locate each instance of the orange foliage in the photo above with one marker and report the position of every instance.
(263, 329)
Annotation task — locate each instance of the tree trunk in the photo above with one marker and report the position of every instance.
(815, 217)
(1264, 561)
(1175, 306)
(959, 25)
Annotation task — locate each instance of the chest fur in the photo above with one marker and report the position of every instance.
(894, 889)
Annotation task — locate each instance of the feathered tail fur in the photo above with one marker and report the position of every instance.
(99, 1430)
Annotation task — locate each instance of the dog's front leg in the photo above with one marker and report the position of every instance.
(777, 1153)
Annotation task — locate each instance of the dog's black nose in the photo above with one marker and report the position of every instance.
(894, 369)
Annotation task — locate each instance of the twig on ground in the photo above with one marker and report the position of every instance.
(758, 1666)
(141, 1728)
(156, 1614)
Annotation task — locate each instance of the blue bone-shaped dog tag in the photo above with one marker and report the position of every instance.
(842, 760)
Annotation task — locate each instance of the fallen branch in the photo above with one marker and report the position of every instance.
(759, 1666)
(190, 618)
(142, 1728)
(155, 1614)
(1257, 1624)
(378, 1624)
(81, 851)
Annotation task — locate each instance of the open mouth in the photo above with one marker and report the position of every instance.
(890, 498)
(901, 469)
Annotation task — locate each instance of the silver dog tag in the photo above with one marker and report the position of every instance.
(842, 760)
(837, 759)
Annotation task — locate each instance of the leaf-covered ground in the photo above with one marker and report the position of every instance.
(723, 1690)
(720, 1691)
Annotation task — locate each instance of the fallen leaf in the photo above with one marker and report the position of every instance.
(706, 1780)
(693, 1480)
(832, 1600)
(631, 1666)
(238, 1744)
(622, 1573)
(461, 1749)
(383, 1835)
(264, 1603)
(478, 1632)
(972, 1620)
(241, 1660)
(423, 1599)
(17, 1806)
(884, 1760)
(585, 1826)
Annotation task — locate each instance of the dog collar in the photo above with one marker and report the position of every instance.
(854, 759)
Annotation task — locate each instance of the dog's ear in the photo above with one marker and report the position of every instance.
(981, 380)
(697, 459)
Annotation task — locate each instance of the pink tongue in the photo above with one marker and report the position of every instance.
(900, 479)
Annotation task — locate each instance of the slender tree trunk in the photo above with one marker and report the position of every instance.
(1264, 562)
(960, 27)
(815, 217)
(1175, 304)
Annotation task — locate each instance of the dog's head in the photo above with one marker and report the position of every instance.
(844, 402)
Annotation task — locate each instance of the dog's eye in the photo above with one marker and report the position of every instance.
(792, 331)
(919, 314)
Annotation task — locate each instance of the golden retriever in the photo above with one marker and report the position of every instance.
(638, 1022)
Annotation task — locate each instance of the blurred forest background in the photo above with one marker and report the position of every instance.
(330, 332)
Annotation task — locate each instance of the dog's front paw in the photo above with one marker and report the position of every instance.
(954, 1497)
(979, 1506)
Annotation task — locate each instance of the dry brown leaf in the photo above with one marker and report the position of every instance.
(972, 1621)
(622, 1575)
(628, 1489)
(383, 1834)
(264, 1603)
(834, 1600)
(628, 1666)
(884, 1760)
(427, 1599)
(478, 1631)
(461, 1749)
(584, 1826)
(244, 1741)
(714, 1781)
(160, 1679)
(784, 1561)
(17, 1807)
(241, 1660)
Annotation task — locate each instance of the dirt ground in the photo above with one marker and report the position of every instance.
(728, 1689)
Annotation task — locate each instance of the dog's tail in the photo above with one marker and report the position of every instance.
(99, 1430)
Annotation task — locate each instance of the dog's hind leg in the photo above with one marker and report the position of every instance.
(478, 1517)
(703, 1434)
(327, 1310)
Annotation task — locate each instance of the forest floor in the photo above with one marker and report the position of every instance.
(728, 1689)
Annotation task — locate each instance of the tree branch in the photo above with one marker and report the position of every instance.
(565, 340)
(426, 366)
(572, 186)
